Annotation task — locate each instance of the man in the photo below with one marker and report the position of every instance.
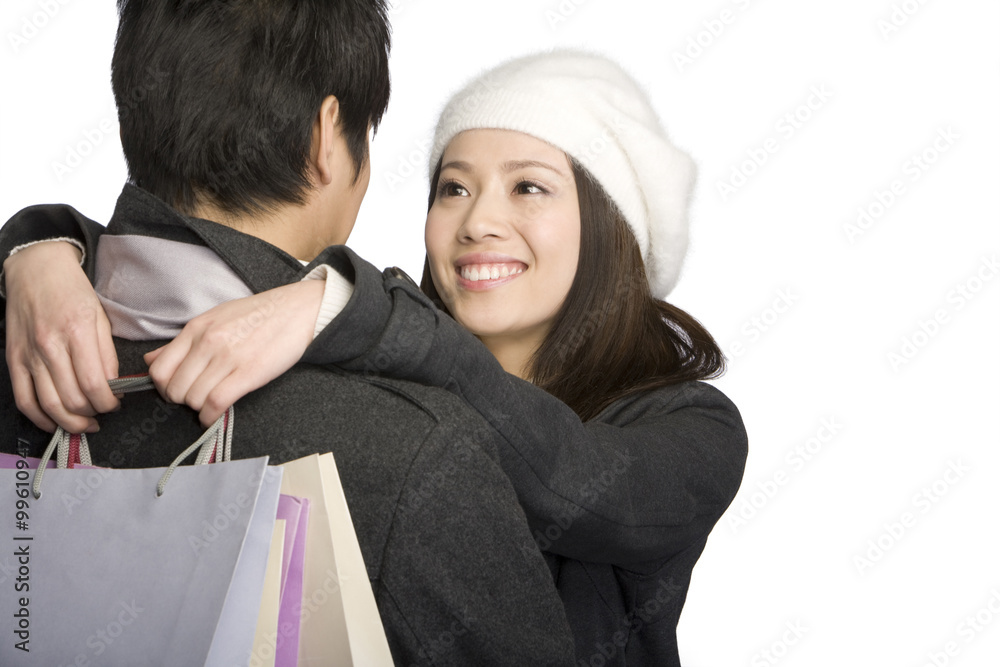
(248, 154)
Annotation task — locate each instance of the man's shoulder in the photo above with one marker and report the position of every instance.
(355, 391)
(315, 401)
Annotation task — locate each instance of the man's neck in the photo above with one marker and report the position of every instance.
(298, 230)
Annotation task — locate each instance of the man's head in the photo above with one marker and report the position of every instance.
(219, 101)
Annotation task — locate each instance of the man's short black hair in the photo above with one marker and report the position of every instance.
(216, 99)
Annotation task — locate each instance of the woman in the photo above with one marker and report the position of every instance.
(557, 215)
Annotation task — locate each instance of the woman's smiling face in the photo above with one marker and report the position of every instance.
(503, 234)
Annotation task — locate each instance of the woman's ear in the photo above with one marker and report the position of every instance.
(326, 130)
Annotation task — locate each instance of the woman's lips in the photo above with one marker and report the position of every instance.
(482, 271)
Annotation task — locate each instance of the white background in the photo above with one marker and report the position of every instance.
(793, 557)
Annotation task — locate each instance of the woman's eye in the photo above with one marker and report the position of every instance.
(451, 189)
(529, 188)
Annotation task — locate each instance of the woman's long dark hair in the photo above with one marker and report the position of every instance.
(611, 337)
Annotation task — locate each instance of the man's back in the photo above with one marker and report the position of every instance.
(453, 566)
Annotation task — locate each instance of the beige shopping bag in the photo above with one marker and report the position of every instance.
(340, 623)
(267, 619)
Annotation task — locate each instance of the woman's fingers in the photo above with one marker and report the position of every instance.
(215, 392)
(235, 348)
(25, 398)
(69, 397)
(45, 384)
(223, 396)
(164, 365)
(106, 343)
(153, 355)
(57, 342)
(53, 405)
(89, 363)
(206, 383)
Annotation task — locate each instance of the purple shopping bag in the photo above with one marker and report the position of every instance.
(285, 642)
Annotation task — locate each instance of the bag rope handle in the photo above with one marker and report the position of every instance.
(216, 441)
(219, 432)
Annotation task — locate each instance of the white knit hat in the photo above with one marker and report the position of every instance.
(589, 107)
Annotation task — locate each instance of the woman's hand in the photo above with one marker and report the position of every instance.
(237, 347)
(59, 348)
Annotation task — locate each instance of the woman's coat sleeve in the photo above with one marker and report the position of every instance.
(49, 222)
(635, 492)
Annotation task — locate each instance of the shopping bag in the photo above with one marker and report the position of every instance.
(277, 644)
(296, 513)
(157, 566)
(289, 511)
(340, 623)
(235, 631)
(270, 603)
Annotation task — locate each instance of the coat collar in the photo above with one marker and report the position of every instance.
(259, 264)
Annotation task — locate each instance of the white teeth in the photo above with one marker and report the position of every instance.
(477, 272)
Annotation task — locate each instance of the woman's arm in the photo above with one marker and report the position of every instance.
(633, 487)
(237, 347)
(59, 345)
(634, 492)
(58, 340)
(50, 222)
(60, 349)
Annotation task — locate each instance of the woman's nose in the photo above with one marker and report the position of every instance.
(486, 218)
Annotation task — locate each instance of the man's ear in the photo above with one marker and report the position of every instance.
(326, 130)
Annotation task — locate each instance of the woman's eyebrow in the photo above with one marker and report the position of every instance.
(457, 164)
(506, 167)
(514, 165)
